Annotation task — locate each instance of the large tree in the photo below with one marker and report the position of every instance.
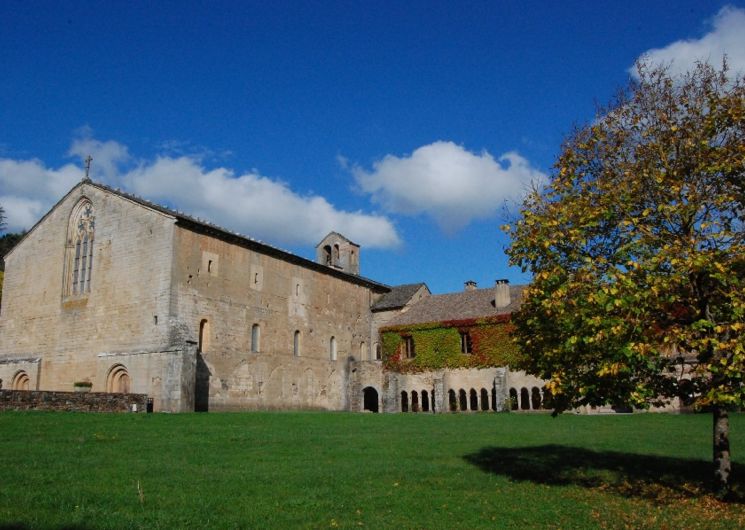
(637, 251)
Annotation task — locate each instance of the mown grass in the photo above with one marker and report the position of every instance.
(328, 470)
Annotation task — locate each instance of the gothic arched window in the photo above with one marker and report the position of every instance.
(79, 249)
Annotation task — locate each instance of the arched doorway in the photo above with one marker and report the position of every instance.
(21, 381)
(370, 399)
(118, 381)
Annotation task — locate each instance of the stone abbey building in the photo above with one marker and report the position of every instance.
(122, 295)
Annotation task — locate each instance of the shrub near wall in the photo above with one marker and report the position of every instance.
(438, 345)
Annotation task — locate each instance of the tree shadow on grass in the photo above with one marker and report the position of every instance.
(657, 478)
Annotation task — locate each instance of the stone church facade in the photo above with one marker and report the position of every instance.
(122, 295)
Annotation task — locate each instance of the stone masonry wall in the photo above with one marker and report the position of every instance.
(222, 290)
(72, 401)
(126, 310)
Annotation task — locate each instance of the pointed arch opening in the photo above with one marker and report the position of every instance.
(21, 381)
(118, 380)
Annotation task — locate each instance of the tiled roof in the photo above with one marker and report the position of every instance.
(246, 241)
(463, 305)
(397, 297)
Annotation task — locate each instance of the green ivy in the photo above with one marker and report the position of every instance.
(437, 345)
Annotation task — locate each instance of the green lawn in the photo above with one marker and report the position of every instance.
(328, 470)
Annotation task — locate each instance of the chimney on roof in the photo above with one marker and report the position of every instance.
(470, 285)
(502, 294)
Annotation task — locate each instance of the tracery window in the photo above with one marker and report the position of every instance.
(79, 249)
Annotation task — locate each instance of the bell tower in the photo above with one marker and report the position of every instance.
(338, 252)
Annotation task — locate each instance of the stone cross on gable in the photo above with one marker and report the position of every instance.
(88, 160)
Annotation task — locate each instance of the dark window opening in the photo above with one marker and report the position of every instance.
(466, 346)
(535, 395)
(409, 351)
(463, 400)
(524, 399)
(370, 399)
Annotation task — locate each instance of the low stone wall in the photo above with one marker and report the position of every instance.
(72, 401)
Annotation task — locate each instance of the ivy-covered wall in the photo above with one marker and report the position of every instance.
(437, 345)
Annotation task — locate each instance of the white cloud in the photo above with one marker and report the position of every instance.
(248, 203)
(253, 204)
(727, 37)
(448, 183)
(108, 157)
(28, 189)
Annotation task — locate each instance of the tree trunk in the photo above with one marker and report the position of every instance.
(722, 465)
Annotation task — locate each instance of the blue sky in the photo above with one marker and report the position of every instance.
(413, 128)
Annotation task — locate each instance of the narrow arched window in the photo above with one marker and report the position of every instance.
(79, 249)
(255, 338)
(332, 348)
(296, 344)
(378, 352)
(363, 351)
(204, 336)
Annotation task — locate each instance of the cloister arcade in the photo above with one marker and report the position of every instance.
(476, 400)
